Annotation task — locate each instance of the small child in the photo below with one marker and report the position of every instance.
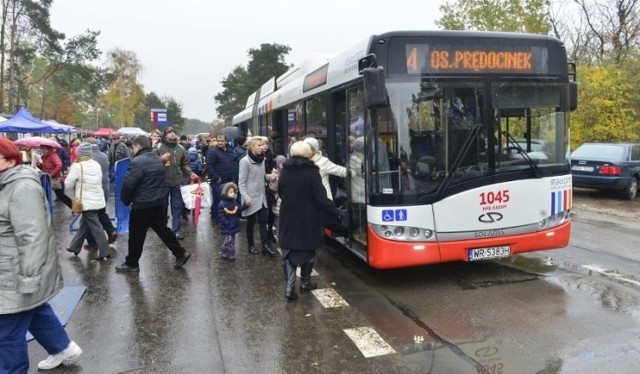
(273, 186)
(229, 217)
(194, 161)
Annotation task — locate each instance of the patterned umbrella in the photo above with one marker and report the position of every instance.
(36, 142)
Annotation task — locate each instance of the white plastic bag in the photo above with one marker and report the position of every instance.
(189, 195)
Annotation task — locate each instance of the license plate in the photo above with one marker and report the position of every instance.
(489, 253)
(582, 168)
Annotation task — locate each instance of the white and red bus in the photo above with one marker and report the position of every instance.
(456, 143)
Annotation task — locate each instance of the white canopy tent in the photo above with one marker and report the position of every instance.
(132, 131)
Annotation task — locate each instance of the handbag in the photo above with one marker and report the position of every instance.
(56, 183)
(76, 203)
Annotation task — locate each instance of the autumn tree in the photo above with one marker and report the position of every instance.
(605, 113)
(598, 31)
(529, 16)
(25, 29)
(264, 63)
(143, 116)
(70, 56)
(124, 96)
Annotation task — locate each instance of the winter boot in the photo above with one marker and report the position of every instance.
(290, 279)
(268, 250)
(231, 254)
(305, 277)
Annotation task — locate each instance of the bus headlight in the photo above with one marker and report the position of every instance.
(398, 231)
(403, 232)
(554, 220)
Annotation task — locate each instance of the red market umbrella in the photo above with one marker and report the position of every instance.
(36, 142)
(105, 131)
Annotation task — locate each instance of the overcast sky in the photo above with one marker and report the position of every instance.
(188, 46)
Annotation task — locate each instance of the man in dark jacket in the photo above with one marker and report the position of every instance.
(117, 151)
(176, 167)
(220, 168)
(143, 190)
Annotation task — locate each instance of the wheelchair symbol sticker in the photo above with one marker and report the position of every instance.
(394, 215)
(387, 216)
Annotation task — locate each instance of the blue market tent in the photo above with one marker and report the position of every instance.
(59, 128)
(23, 121)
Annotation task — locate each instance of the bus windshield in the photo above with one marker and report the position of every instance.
(449, 132)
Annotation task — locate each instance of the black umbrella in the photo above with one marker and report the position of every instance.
(232, 132)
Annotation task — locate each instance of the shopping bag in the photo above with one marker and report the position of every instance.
(192, 191)
(56, 183)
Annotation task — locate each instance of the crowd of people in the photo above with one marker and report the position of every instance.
(253, 180)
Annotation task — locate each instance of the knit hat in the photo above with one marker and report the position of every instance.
(313, 142)
(168, 130)
(228, 186)
(280, 159)
(84, 149)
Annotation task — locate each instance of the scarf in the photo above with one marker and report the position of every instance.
(257, 159)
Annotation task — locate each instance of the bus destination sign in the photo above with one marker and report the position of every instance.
(434, 59)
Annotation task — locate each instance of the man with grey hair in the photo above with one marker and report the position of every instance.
(143, 190)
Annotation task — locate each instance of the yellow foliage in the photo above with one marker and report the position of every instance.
(605, 112)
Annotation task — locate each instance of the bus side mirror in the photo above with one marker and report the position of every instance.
(375, 91)
(573, 96)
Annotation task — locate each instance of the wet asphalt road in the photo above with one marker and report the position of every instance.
(573, 310)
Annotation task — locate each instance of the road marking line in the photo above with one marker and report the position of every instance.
(329, 298)
(611, 274)
(595, 268)
(369, 342)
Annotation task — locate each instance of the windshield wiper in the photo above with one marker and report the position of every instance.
(512, 140)
(468, 142)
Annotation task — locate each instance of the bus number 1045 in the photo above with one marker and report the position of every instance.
(494, 197)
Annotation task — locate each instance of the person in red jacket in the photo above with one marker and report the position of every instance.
(52, 165)
(74, 148)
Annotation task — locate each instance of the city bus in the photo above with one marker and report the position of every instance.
(456, 143)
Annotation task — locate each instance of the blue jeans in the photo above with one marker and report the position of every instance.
(42, 323)
(177, 205)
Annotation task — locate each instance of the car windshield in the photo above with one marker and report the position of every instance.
(599, 152)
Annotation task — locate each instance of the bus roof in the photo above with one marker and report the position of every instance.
(322, 71)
